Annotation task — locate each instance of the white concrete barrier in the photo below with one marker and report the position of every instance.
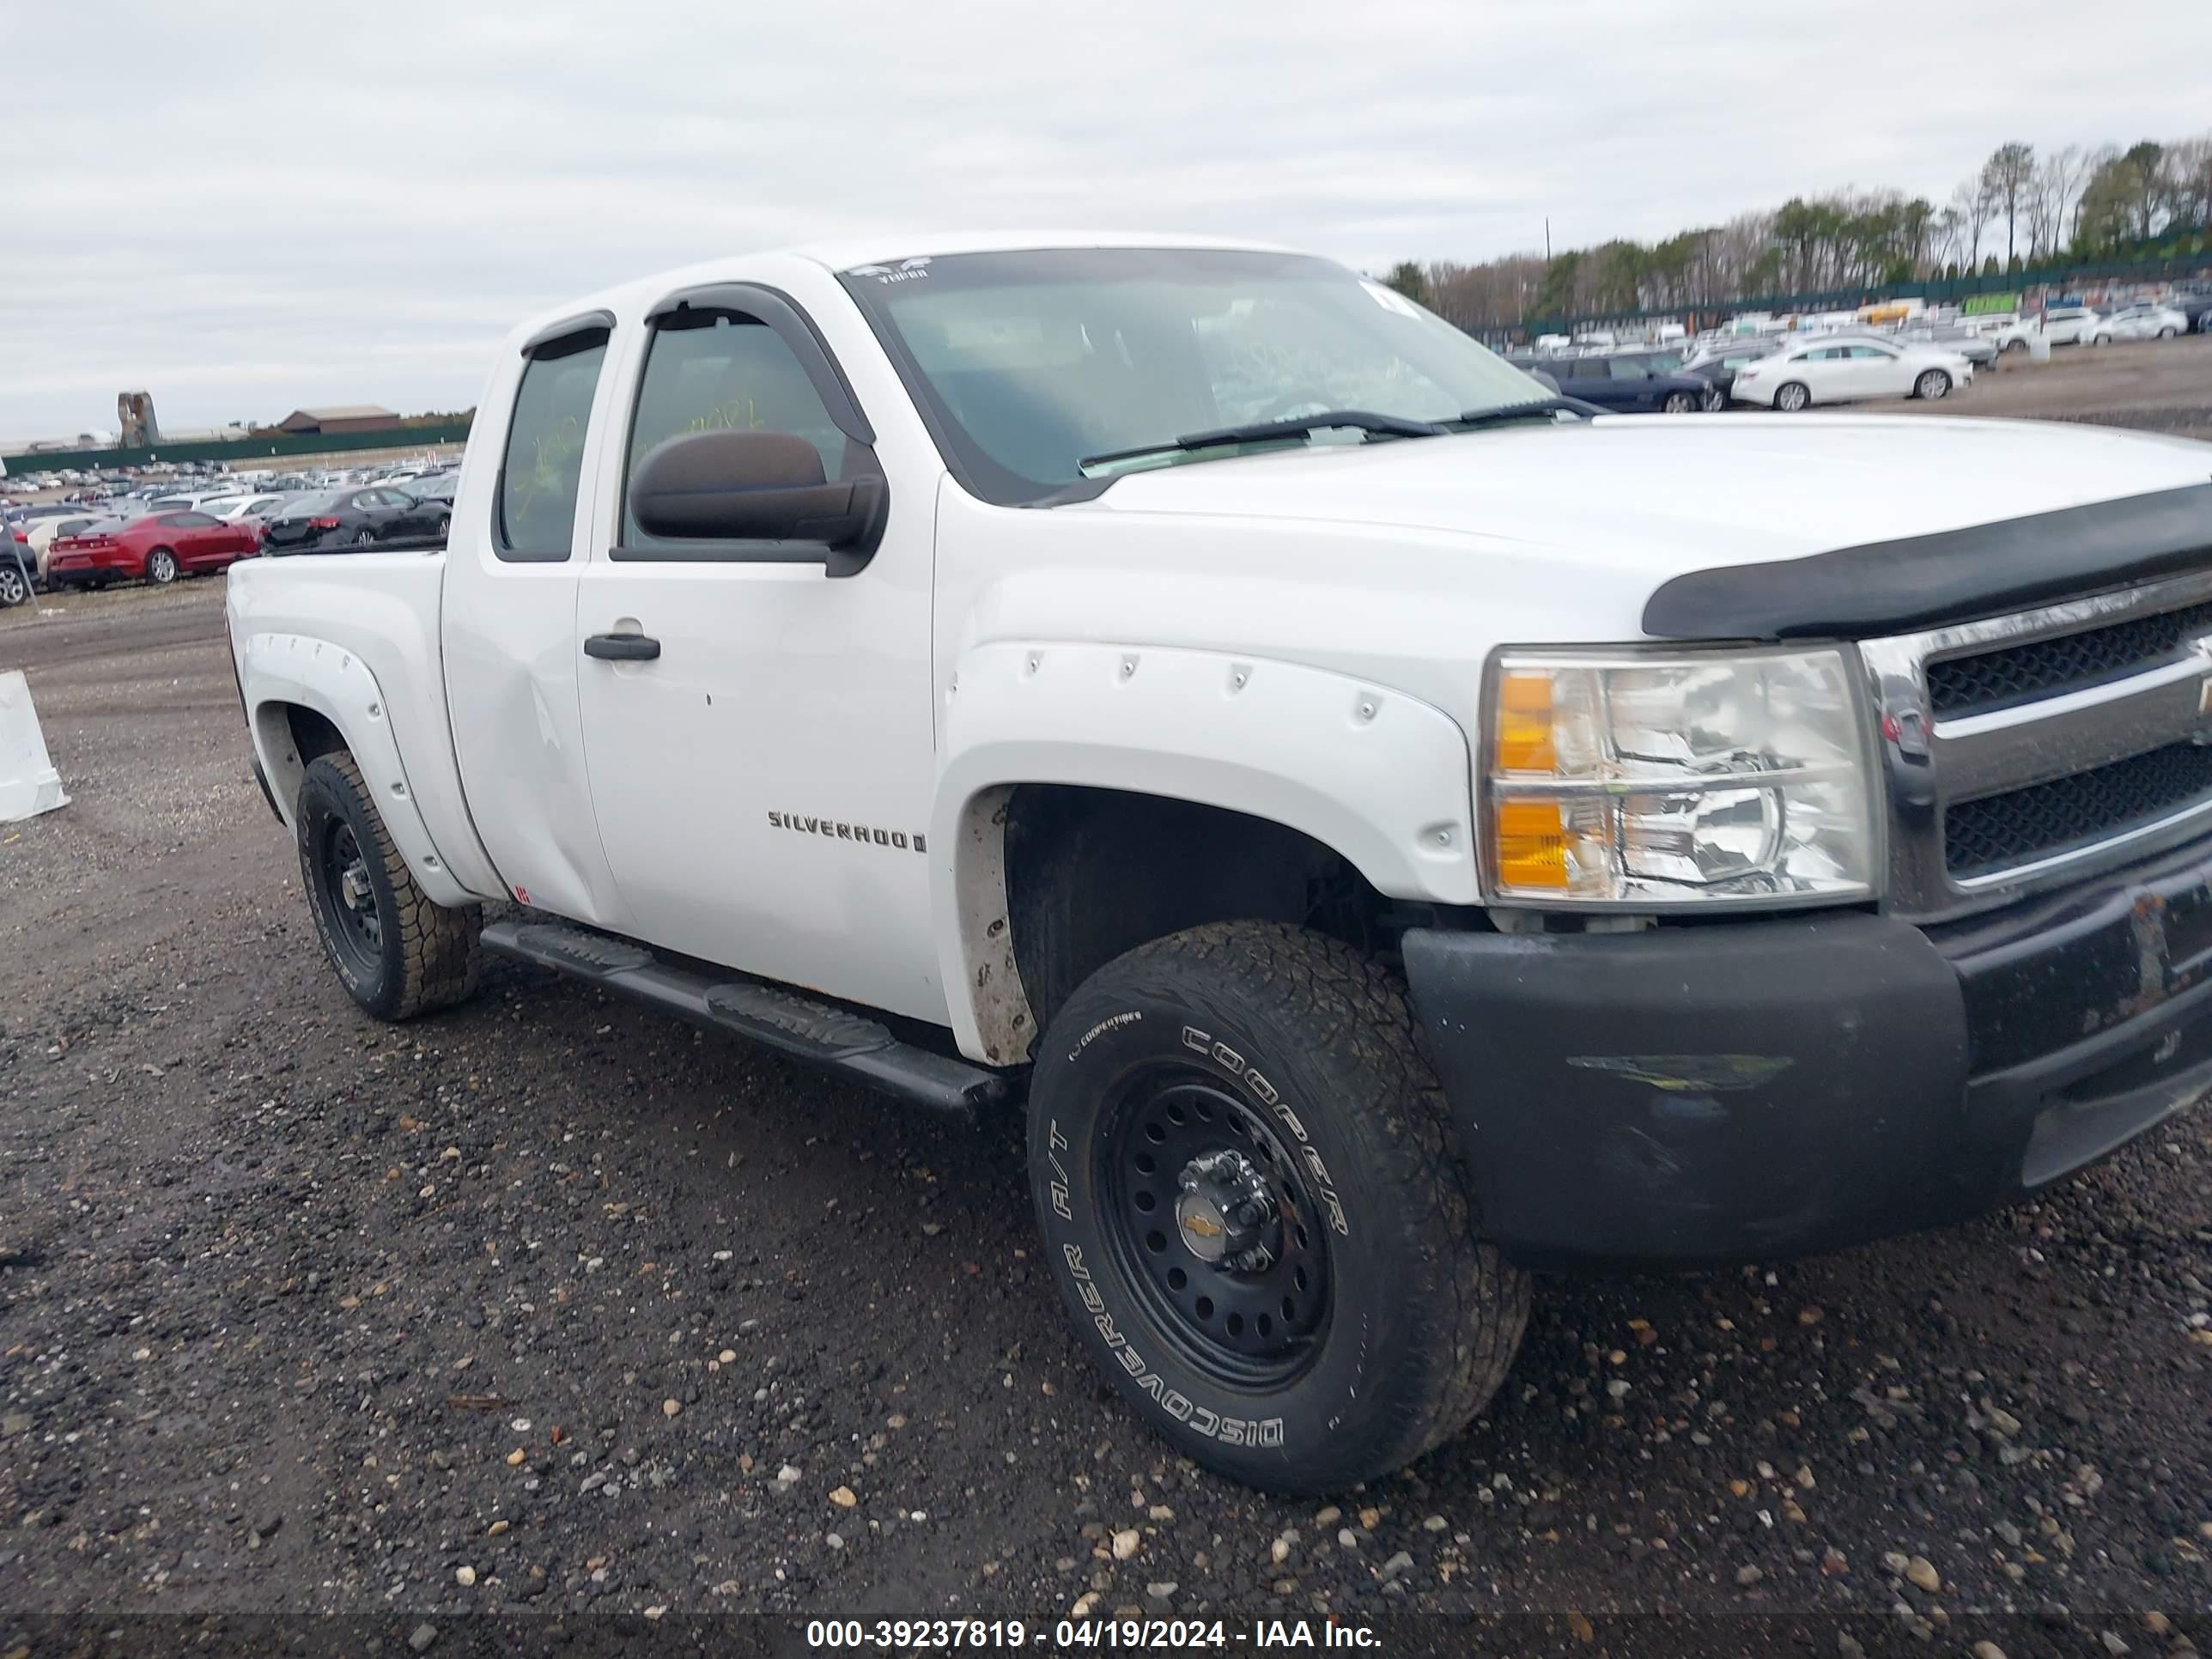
(28, 783)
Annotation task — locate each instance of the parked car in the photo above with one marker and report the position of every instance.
(434, 487)
(1717, 366)
(44, 532)
(1277, 929)
(157, 547)
(235, 508)
(2145, 322)
(353, 518)
(2059, 324)
(1630, 382)
(1823, 371)
(18, 565)
(1950, 336)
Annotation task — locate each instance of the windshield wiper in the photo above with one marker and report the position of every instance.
(1386, 426)
(1519, 411)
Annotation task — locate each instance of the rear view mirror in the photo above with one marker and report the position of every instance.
(752, 486)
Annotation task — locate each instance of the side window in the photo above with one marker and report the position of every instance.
(534, 519)
(188, 521)
(713, 371)
(1628, 368)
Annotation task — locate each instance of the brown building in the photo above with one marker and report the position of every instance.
(344, 417)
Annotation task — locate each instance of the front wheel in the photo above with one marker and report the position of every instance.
(398, 952)
(160, 567)
(1713, 401)
(2168, 333)
(13, 590)
(1252, 1198)
(1932, 385)
(1792, 396)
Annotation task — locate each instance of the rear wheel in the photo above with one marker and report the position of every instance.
(363, 537)
(1932, 384)
(1791, 396)
(1251, 1195)
(2168, 333)
(398, 952)
(160, 567)
(13, 590)
(1679, 402)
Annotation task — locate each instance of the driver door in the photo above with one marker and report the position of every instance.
(759, 732)
(1877, 371)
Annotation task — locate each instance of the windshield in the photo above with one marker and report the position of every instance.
(1026, 363)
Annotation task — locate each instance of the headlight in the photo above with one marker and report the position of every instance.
(1627, 779)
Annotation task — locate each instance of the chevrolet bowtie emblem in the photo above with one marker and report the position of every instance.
(1203, 1226)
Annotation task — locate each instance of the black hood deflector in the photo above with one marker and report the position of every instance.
(1955, 575)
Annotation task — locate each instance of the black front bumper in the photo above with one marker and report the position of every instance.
(1719, 1091)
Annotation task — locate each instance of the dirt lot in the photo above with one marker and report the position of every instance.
(551, 1305)
(2154, 385)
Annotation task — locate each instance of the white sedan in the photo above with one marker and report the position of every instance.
(1845, 371)
(2138, 323)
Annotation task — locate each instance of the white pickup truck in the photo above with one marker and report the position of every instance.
(1392, 829)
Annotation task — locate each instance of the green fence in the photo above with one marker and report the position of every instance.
(240, 451)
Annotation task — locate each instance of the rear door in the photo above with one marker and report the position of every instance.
(1586, 378)
(1631, 383)
(508, 622)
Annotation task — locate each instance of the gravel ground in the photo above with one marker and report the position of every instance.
(2152, 385)
(554, 1305)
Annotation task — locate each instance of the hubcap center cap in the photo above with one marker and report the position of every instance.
(353, 887)
(1226, 1215)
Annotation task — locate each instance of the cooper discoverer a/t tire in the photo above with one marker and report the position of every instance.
(398, 952)
(1250, 1195)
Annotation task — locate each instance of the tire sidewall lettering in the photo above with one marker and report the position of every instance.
(1065, 1185)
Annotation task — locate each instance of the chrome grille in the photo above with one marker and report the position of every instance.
(2025, 750)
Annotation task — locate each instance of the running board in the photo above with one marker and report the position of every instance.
(806, 1028)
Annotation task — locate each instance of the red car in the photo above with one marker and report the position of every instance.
(157, 548)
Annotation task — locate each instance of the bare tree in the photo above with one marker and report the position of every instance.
(1972, 204)
(2004, 181)
(2051, 197)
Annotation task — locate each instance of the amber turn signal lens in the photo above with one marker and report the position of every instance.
(1524, 724)
(1531, 840)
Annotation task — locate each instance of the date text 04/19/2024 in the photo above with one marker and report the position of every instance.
(1137, 1634)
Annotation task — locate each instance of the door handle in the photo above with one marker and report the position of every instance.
(622, 647)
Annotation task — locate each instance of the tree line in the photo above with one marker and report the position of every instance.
(2019, 208)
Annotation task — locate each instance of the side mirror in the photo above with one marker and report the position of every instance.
(752, 486)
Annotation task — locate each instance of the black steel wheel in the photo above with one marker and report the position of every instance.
(347, 896)
(1214, 1224)
(397, 952)
(1252, 1198)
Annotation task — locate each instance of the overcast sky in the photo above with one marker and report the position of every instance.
(243, 208)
